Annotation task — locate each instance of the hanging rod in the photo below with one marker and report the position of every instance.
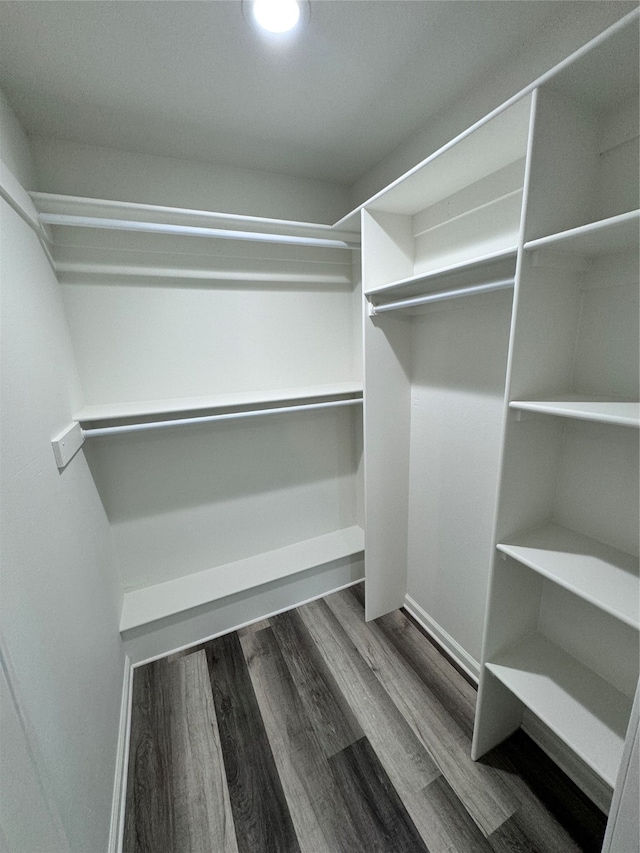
(441, 296)
(204, 419)
(190, 230)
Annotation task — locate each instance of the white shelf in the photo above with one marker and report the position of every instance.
(145, 408)
(618, 413)
(579, 706)
(598, 573)
(497, 141)
(143, 606)
(106, 213)
(496, 265)
(597, 238)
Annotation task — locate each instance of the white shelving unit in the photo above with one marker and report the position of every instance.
(435, 246)
(501, 437)
(561, 634)
(222, 403)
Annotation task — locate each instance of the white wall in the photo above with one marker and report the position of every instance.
(545, 49)
(61, 651)
(73, 169)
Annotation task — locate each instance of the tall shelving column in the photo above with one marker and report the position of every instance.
(439, 257)
(561, 636)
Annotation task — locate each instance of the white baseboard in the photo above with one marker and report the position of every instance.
(455, 651)
(122, 760)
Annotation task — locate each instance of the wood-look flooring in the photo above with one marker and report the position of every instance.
(316, 732)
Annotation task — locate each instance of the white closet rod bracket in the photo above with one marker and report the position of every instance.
(67, 443)
(141, 427)
(440, 296)
(191, 230)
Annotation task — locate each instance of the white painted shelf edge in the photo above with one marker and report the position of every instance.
(71, 210)
(604, 576)
(467, 268)
(114, 411)
(617, 413)
(143, 606)
(605, 235)
(580, 707)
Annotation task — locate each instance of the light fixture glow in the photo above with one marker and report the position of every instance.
(276, 16)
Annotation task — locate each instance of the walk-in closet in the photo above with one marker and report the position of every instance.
(325, 378)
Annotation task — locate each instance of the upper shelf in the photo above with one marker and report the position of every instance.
(617, 413)
(597, 238)
(111, 412)
(482, 150)
(74, 211)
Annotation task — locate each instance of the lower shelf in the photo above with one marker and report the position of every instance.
(598, 573)
(143, 606)
(585, 711)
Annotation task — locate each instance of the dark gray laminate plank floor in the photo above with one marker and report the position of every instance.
(316, 732)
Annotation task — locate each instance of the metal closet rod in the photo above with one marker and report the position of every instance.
(441, 296)
(204, 419)
(191, 230)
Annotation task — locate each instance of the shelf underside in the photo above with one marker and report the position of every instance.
(598, 573)
(110, 412)
(617, 413)
(479, 270)
(579, 706)
(144, 606)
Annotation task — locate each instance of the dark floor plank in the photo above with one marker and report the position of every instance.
(253, 627)
(203, 816)
(452, 691)
(530, 831)
(553, 811)
(403, 757)
(482, 791)
(333, 720)
(448, 826)
(512, 837)
(178, 800)
(260, 811)
(377, 812)
(319, 813)
(149, 824)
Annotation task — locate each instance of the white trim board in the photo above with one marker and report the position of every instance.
(184, 630)
(252, 621)
(168, 599)
(462, 658)
(116, 830)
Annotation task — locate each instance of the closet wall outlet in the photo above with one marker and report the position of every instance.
(67, 443)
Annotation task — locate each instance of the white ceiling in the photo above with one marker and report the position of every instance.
(195, 80)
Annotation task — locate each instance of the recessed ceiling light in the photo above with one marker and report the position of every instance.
(276, 16)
